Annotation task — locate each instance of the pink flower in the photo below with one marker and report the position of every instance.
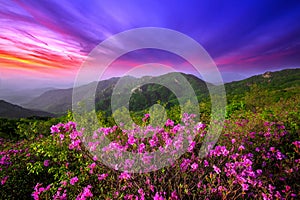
(241, 148)
(46, 163)
(64, 183)
(277, 195)
(75, 144)
(265, 196)
(297, 144)
(178, 143)
(221, 188)
(116, 194)
(48, 187)
(185, 163)
(206, 164)
(73, 180)
(38, 190)
(200, 125)
(95, 158)
(245, 187)
(124, 175)
(54, 129)
(3, 181)
(62, 136)
(194, 166)
(259, 172)
(287, 188)
(141, 191)
(73, 135)
(152, 143)
(92, 167)
(102, 176)
(36, 187)
(131, 140)
(146, 117)
(161, 149)
(279, 155)
(168, 142)
(174, 195)
(141, 148)
(85, 193)
(272, 149)
(95, 135)
(191, 146)
(169, 123)
(224, 151)
(158, 197)
(233, 141)
(152, 188)
(177, 128)
(142, 194)
(216, 169)
(35, 195)
(271, 188)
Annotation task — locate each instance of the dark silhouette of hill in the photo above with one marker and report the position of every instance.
(8, 110)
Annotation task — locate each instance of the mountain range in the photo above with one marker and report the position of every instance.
(21, 96)
(59, 101)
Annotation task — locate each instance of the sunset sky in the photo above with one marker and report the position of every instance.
(45, 42)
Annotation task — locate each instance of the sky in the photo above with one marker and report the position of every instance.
(44, 43)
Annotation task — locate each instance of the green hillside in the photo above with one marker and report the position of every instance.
(255, 156)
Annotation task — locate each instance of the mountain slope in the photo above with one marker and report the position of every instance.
(279, 80)
(55, 101)
(8, 110)
(59, 101)
(21, 96)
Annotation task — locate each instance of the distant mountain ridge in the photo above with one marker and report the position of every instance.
(21, 96)
(278, 80)
(60, 100)
(8, 110)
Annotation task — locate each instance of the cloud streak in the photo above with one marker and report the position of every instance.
(52, 38)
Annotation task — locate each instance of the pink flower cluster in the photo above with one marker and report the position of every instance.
(74, 180)
(74, 134)
(246, 163)
(38, 190)
(86, 193)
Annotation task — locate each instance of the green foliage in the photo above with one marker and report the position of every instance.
(234, 107)
(7, 128)
(26, 128)
(254, 110)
